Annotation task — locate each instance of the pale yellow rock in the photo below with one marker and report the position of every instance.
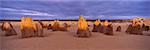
(82, 24)
(56, 23)
(106, 23)
(27, 22)
(97, 22)
(136, 21)
(22, 22)
(6, 25)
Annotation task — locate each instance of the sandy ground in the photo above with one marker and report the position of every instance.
(60, 40)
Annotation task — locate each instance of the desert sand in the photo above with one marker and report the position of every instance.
(59, 40)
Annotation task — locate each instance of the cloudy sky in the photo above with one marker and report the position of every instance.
(71, 9)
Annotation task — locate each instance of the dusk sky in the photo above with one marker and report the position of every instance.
(71, 9)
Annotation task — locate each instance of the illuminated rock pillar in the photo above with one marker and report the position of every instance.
(83, 30)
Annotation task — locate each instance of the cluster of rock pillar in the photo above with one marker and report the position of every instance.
(56, 26)
(105, 27)
(135, 27)
(29, 28)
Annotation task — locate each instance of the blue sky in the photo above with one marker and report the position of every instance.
(71, 9)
